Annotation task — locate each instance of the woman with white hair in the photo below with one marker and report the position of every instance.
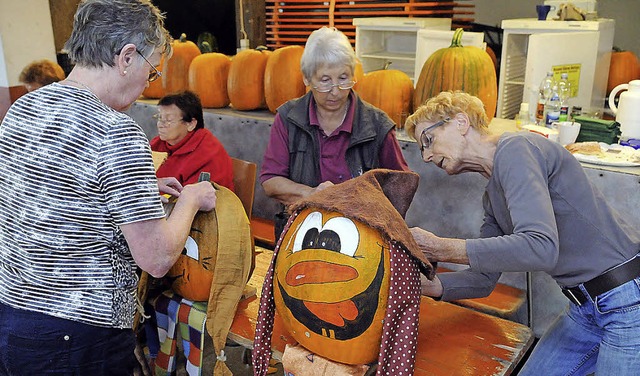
(328, 135)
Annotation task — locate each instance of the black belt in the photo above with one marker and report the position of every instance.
(609, 280)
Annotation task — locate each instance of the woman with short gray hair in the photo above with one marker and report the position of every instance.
(328, 135)
(83, 204)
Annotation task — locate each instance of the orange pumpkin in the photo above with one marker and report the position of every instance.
(493, 57)
(175, 71)
(192, 273)
(283, 77)
(331, 285)
(245, 84)
(155, 90)
(358, 73)
(208, 75)
(624, 67)
(391, 91)
(458, 67)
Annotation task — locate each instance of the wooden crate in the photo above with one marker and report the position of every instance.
(289, 22)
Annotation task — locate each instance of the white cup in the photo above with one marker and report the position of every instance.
(567, 131)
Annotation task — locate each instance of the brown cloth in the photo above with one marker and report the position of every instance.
(379, 198)
(231, 272)
(233, 256)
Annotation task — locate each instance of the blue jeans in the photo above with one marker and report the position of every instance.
(601, 336)
(37, 344)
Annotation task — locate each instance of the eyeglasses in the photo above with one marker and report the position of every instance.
(152, 75)
(426, 140)
(160, 120)
(325, 87)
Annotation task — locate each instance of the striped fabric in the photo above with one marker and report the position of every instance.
(72, 170)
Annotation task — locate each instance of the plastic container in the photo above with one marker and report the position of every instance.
(552, 107)
(564, 92)
(544, 92)
(523, 117)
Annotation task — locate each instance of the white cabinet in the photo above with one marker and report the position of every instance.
(531, 48)
(383, 40)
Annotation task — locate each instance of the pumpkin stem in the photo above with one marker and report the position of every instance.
(183, 37)
(261, 48)
(206, 48)
(456, 41)
(386, 65)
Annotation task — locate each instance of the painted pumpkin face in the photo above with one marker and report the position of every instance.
(331, 285)
(192, 273)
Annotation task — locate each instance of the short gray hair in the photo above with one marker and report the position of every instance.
(101, 28)
(326, 46)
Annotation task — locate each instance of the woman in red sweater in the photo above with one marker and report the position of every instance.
(191, 148)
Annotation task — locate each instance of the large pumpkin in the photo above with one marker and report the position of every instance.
(208, 75)
(245, 84)
(358, 73)
(624, 67)
(175, 71)
(458, 67)
(283, 77)
(155, 90)
(331, 285)
(192, 273)
(390, 90)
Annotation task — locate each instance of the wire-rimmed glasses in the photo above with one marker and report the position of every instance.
(325, 87)
(169, 122)
(152, 75)
(426, 140)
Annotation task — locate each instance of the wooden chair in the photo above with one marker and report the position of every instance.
(244, 182)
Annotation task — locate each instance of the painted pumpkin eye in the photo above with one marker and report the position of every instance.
(339, 234)
(191, 249)
(346, 232)
(310, 239)
(313, 221)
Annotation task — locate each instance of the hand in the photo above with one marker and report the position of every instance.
(426, 242)
(440, 249)
(170, 186)
(432, 288)
(323, 185)
(203, 193)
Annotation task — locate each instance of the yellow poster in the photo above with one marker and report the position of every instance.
(573, 71)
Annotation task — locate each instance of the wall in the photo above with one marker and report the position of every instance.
(25, 35)
(625, 12)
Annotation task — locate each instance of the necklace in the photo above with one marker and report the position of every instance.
(79, 83)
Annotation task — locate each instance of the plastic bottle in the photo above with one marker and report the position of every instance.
(523, 117)
(552, 107)
(564, 92)
(576, 111)
(543, 93)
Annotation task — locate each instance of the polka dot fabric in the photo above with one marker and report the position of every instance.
(400, 330)
(264, 327)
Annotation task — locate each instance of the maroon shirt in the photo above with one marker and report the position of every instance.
(333, 149)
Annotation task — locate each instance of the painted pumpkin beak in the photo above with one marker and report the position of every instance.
(319, 272)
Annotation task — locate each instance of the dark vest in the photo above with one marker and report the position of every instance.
(370, 128)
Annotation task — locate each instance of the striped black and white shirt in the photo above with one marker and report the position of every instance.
(72, 171)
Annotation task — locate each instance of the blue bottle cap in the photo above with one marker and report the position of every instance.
(633, 142)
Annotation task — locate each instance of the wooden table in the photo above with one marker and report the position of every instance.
(452, 340)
